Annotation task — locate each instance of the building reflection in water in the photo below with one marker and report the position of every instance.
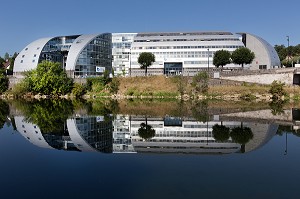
(79, 134)
(120, 135)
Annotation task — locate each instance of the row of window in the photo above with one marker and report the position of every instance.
(36, 48)
(187, 47)
(180, 52)
(168, 40)
(33, 61)
(182, 33)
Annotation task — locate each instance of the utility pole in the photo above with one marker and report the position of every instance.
(288, 50)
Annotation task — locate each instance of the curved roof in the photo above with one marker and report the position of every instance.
(273, 56)
(265, 53)
(77, 46)
(28, 58)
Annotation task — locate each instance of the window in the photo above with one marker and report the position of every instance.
(26, 49)
(262, 66)
(21, 61)
(38, 48)
(34, 55)
(33, 61)
(23, 56)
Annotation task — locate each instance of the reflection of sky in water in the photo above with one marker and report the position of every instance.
(30, 173)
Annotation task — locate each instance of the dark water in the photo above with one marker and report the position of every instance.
(77, 150)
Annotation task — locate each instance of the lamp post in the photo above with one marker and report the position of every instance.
(288, 50)
(130, 62)
(208, 62)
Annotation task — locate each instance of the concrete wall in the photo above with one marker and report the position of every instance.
(261, 76)
(286, 78)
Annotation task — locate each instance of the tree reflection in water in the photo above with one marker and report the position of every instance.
(146, 131)
(4, 112)
(241, 135)
(221, 133)
(49, 115)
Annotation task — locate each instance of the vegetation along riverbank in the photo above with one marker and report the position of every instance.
(49, 80)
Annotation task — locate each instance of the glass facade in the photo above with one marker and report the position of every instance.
(56, 50)
(95, 57)
(172, 68)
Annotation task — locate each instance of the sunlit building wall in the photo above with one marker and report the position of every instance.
(121, 52)
(79, 55)
(182, 52)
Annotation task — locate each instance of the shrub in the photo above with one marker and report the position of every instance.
(277, 90)
(78, 90)
(247, 96)
(48, 78)
(20, 89)
(200, 82)
(114, 85)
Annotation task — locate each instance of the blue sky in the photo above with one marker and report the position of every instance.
(25, 21)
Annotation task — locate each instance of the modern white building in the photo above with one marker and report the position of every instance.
(176, 53)
(121, 51)
(188, 52)
(79, 55)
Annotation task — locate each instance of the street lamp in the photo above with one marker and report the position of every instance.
(130, 62)
(208, 61)
(288, 50)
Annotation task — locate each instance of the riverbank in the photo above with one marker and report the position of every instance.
(181, 88)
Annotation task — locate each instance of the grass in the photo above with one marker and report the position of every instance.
(171, 87)
(151, 86)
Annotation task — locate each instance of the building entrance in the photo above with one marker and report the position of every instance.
(172, 68)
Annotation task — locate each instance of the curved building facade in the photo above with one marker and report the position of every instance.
(79, 55)
(266, 56)
(176, 53)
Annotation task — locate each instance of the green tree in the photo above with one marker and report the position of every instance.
(146, 59)
(12, 63)
(1, 62)
(221, 58)
(281, 51)
(146, 131)
(200, 82)
(242, 56)
(221, 133)
(49, 78)
(4, 81)
(6, 56)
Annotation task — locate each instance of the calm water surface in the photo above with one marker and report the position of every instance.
(96, 151)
